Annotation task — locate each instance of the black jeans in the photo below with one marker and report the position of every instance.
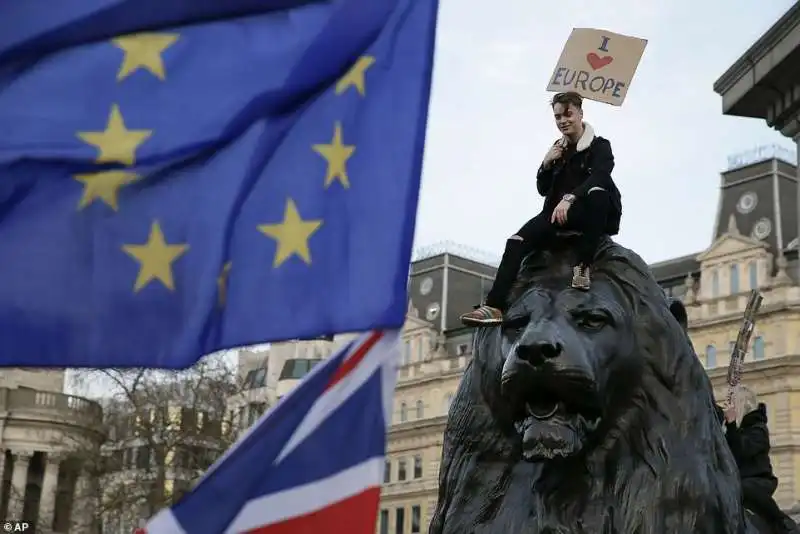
(757, 496)
(587, 215)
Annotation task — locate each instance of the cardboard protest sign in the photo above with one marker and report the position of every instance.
(597, 64)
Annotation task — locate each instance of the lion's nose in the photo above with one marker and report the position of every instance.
(538, 352)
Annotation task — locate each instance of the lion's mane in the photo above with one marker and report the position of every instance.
(658, 464)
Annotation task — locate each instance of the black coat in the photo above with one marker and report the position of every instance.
(749, 443)
(592, 167)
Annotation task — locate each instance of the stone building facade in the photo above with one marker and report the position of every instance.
(428, 377)
(764, 83)
(773, 367)
(40, 428)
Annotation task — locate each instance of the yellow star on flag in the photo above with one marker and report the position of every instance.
(291, 235)
(143, 50)
(355, 76)
(337, 155)
(104, 185)
(155, 258)
(116, 143)
(222, 283)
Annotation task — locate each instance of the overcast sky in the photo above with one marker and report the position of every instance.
(490, 124)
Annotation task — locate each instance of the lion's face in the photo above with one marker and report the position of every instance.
(560, 347)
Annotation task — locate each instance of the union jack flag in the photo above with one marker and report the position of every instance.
(312, 464)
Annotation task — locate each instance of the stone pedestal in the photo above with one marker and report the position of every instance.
(19, 482)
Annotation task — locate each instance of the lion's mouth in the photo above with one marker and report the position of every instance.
(542, 411)
(551, 395)
(553, 418)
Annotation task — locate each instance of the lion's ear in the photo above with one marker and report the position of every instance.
(679, 312)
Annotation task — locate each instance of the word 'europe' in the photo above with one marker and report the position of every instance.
(581, 80)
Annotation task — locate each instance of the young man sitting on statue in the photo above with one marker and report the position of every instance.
(580, 197)
(749, 443)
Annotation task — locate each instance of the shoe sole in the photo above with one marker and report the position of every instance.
(480, 322)
(583, 285)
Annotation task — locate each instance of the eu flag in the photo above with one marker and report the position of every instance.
(182, 177)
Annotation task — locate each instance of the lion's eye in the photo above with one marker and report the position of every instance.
(592, 321)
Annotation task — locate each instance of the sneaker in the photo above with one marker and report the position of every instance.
(580, 278)
(483, 316)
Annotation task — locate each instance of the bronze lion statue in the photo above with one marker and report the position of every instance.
(587, 412)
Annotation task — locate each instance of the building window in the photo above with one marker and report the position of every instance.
(714, 284)
(403, 412)
(142, 457)
(734, 279)
(298, 368)
(752, 274)
(128, 460)
(418, 466)
(384, 528)
(420, 409)
(758, 348)
(254, 411)
(448, 400)
(711, 356)
(416, 519)
(400, 521)
(255, 378)
(387, 471)
(401, 470)
(406, 353)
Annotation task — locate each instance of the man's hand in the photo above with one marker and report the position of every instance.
(560, 213)
(730, 414)
(555, 152)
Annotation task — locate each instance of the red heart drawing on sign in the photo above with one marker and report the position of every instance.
(598, 62)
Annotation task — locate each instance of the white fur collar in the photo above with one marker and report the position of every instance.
(585, 140)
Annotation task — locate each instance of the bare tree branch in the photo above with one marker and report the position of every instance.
(162, 430)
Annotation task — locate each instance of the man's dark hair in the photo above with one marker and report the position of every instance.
(570, 97)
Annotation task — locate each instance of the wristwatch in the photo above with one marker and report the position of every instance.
(568, 198)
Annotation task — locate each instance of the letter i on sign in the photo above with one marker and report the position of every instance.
(604, 45)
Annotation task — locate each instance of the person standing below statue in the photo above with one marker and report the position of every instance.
(580, 196)
(749, 443)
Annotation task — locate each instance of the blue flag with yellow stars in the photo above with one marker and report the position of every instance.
(182, 177)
